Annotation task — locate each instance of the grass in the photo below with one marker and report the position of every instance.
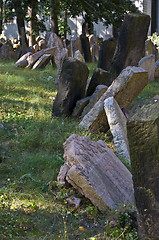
(32, 204)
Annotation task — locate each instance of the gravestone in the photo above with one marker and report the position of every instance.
(106, 53)
(52, 40)
(86, 48)
(76, 45)
(97, 173)
(157, 69)
(99, 91)
(71, 86)
(42, 61)
(34, 57)
(125, 88)
(131, 42)
(79, 56)
(118, 127)
(148, 63)
(100, 77)
(143, 136)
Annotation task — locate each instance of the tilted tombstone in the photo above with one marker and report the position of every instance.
(42, 61)
(148, 63)
(131, 42)
(100, 77)
(71, 86)
(52, 40)
(106, 53)
(117, 122)
(125, 88)
(143, 136)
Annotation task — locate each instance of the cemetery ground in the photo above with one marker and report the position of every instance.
(32, 204)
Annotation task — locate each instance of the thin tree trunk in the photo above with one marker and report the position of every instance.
(20, 21)
(1, 16)
(54, 17)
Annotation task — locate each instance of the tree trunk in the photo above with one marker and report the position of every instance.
(31, 25)
(54, 17)
(20, 20)
(1, 16)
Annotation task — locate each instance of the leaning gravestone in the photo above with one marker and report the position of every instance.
(118, 127)
(34, 57)
(131, 42)
(42, 61)
(148, 63)
(71, 86)
(106, 53)
(125, 88)
(143, 135)
(52, 40)
(97, 173)
(100, 77)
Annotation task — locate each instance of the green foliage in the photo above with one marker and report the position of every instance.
(154, 38)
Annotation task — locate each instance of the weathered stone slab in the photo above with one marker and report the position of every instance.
(125, 88)
(34, 57)
(157, 69)
(143, 136)
(100, 90)
(106, 53)
(64, 55)
(97, 173)
(100, 77)
(95, 52)
(71, 86)
(7, 52)
(61, 178)
(86, 48)
(52, 40)
(131, 42)
(118, 127)
(21, 64)
(80, 105)
(148, 63)
(20, 60)
(76, 45)
(79, 56)
(42, 61)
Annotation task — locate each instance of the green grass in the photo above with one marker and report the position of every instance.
(32, 204)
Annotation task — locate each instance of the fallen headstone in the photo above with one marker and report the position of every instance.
(97, 173)
(148, 63)
(143, 136)
(34, 57)
(42, 61)
(125, 88)
(118, 127)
